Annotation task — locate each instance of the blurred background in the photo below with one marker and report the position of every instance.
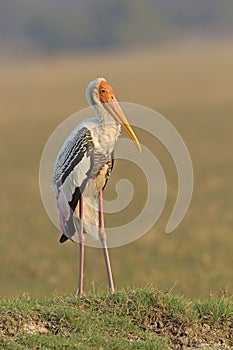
(173, 56)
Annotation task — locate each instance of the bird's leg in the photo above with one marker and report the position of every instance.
(102, 236)
(81, 246)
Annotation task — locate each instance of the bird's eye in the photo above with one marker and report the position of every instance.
(102, 91)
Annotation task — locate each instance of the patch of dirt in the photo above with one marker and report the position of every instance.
(12, 328)
(34, 328)
(30, 327)
(181, 335)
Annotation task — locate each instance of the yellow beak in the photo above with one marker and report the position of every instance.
(116, 112)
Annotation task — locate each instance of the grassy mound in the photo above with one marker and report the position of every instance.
(129, 319)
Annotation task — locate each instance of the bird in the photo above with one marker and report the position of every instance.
(82, 169)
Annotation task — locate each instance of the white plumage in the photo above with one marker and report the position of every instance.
(84, 164)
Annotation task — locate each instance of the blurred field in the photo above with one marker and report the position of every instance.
(192, 87)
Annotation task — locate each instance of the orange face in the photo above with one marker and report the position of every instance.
(109, 101)
(106, 93)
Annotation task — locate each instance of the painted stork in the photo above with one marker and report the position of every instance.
(82, 168)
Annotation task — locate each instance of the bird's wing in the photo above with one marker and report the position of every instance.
(73, 164)
(75, 151)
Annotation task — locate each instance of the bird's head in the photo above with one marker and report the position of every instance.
(100, 94)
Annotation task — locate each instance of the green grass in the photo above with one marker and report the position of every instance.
(129, 319)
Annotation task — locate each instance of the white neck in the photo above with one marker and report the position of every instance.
(108, 130)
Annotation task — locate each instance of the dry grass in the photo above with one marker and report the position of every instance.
(192, 87)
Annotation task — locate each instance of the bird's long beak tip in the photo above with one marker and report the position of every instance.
(131, 133)
(138, 147)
